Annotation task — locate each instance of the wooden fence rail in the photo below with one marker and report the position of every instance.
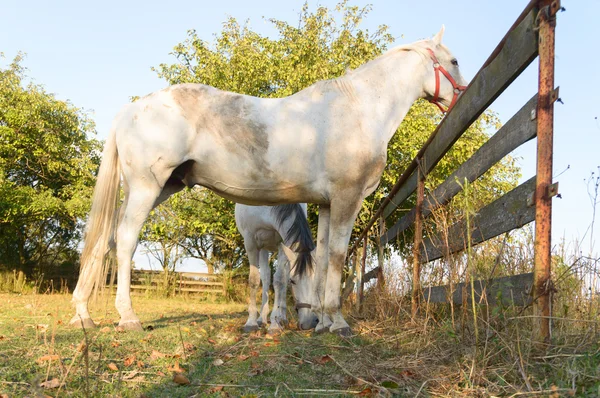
(185, 282)
(531, 35)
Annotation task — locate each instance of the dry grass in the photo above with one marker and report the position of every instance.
(203, 342)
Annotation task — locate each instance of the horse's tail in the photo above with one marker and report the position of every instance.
(101, 223)
(298, 236)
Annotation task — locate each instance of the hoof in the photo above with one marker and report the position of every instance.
(135, 326)
(274, 331)
(320, 329)
(250, 328)
(343, 332)
(79, 323)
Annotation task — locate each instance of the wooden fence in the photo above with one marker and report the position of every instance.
(531, 35)
(185, 282)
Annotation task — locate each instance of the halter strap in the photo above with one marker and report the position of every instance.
(302, 305)
(457, 88)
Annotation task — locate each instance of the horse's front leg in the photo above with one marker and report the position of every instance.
(343, 215)
(280, 284)
(320, 278)
(253, 282)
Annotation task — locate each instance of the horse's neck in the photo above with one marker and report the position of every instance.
(387, 87)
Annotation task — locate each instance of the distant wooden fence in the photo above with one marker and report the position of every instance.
(185, 282)
(531, 35)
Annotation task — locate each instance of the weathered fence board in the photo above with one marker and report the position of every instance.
(521, 128)
(511, 290)
(505, 214)
(518, 51)
(189, 282)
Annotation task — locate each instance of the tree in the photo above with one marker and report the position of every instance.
(318, 47)
(47, 174)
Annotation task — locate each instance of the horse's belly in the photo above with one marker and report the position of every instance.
(246, 186)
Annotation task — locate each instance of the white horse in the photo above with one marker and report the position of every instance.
(268, 229)
(325, 144)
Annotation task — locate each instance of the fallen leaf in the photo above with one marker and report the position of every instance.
(254, 353)
(120, 329)
(140, 364)
(148, 337)
(215, 389)
(129, 360)
(155, 355)
(185, 329)
(160, 373)
(176, 368)
(407, 374)
(54, 383)
(181, 379)
(228, 356)
(193, 323)
(218, 362)
(255, 372)
(115, 344)
(211, 341)
(367, 392)
(48, 357)
(323, 360)
(113, 366)
(243, 357)
(105, 329)
(131, 375)
(389, 384)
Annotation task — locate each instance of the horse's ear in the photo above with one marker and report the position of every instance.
(437, 39)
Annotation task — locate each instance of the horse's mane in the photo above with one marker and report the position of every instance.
(343, 83)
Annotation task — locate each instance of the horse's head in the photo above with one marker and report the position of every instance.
(444, 82)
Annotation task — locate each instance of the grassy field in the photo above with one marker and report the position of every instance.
(193, 348)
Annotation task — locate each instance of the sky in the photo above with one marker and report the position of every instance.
(99, 54)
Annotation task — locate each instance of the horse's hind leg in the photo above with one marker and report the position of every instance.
(253, 281)
(265, 278)
(141, 199)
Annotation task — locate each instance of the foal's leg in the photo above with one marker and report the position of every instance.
(280, 283)
(322, 258)
(265, 277)
(343, 215)
(253, 281)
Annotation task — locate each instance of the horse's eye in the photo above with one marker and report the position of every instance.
(292, 282)
(454, 62)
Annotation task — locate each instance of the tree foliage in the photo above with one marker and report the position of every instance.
(47, 174)
(323, 44)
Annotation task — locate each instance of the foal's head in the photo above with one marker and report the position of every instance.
(303, 292)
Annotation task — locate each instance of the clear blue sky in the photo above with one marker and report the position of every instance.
(98, 54)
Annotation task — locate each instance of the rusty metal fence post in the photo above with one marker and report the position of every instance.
(543, 198)
(418, 240)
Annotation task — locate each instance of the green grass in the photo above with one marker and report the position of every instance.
(387, 356)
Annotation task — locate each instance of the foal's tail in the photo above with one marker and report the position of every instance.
(101, 223)
(298, 235)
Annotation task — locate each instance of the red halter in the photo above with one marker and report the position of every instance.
(457, 89)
